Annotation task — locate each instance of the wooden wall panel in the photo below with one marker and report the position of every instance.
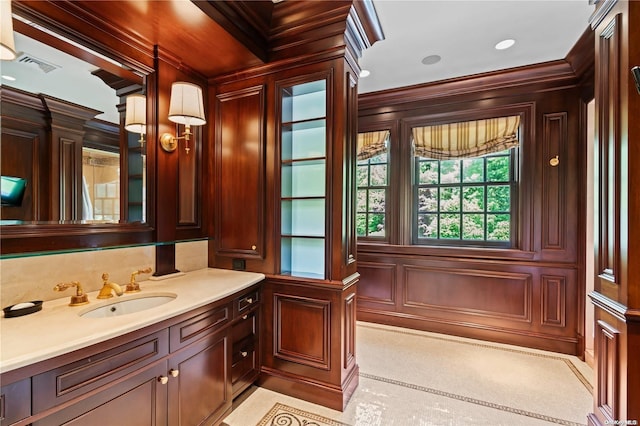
(301, 330)
(240, 180)
(554, 300)
(70, 163)
(349, 331)
(606, 392)
(20, 159)
(608, 151)
(378, 283)
(467, 291)
(554, 195)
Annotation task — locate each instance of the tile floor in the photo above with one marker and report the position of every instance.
(446, 380)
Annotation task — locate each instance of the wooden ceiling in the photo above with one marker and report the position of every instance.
(183, 32)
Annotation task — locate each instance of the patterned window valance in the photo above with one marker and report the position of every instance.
(466, 139)
(371, 144)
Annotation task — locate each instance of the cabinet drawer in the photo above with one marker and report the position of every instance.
(15, 402)
(244, 367)
(245, 302)
(198, 326)
(245, 327)
(96, 370)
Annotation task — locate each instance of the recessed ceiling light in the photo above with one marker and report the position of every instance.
(365, 73)
(431, 59)
(505, 44)
(8, 77)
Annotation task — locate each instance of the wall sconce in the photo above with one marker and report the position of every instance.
(7, 43)
(186, 107)
(136, 115)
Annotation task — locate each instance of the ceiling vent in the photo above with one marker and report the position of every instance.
(45, 66)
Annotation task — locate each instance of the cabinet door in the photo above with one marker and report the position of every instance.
(15, 402)
(240, 182)
(140, 400)
(199, 383)
(245, 355)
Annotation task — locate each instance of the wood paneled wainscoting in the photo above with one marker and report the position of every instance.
(529, 292)
(501, 301)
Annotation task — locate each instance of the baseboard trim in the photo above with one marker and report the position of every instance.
(561, 344)
(328, 395)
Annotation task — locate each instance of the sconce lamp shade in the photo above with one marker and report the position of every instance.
(186, 105)
(136, 114)
(7, 43)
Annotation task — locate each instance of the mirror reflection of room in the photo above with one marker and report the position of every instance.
(72, 147)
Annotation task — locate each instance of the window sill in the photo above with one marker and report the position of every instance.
(452, 252)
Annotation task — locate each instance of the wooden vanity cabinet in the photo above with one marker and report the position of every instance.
(15, 402)
(245, 358)
(178, 372)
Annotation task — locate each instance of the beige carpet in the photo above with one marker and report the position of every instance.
(281, 415)
(409, 377)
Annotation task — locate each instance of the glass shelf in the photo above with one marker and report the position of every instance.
(303, 169)
(303, 179)
(304, 140)
(303, 217)
(302, 257)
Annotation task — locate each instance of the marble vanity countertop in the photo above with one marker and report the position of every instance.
(58, 329)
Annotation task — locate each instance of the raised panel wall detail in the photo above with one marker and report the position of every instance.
(240, 183)
(302, 330)
(606, 345)
(377, 283)
(468, 291)
(608, 150)
(554, 302)
(554, 193)
(349, 356)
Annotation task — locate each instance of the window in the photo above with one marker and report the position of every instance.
(465, 201)
(373, 184)
(465, 182)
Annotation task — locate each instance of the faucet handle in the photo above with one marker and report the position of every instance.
(133, 286)
(80, 298)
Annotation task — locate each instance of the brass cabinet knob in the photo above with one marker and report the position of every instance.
(249, 300)
(253, 247)
(174, 373)
(163, 380)
(554, 161)
(244, 354)
(244, 317)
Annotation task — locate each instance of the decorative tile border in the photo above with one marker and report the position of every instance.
(472, 400)
(566, 361)
(284, 415)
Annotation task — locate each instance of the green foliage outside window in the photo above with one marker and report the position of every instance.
(465, 200)
(372, 181)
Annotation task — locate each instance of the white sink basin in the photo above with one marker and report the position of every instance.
(129, 305)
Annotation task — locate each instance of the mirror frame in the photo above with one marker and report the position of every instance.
(137, 56)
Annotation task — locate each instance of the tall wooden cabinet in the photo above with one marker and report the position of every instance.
(616, 294)
(284, 191)
(285, 135)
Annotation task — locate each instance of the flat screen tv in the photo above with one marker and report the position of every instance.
(12, 190)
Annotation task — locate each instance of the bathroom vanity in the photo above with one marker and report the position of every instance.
(179, 363)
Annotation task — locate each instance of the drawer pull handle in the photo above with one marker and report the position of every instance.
(248, 300)
(244, 317)
(244, 354)
(163, 380)
(174, 373)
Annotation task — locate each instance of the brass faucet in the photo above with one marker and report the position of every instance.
(133, 286)
(107, 288)
(80, 298)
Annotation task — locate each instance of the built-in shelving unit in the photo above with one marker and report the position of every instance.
(303, 179)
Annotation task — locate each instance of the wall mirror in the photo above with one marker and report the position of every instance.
(64, 113)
